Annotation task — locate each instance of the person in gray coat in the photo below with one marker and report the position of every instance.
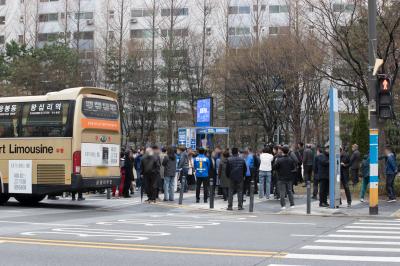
(169, 164)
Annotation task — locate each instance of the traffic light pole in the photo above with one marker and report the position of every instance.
(374, 131)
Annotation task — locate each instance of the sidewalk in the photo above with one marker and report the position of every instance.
(358, 209)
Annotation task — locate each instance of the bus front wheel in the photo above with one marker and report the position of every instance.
(4, 198)
(29, 199)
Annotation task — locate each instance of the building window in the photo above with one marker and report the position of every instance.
(111, 35)
(233, 10)
(84, 15)
(21, 39)
(111, 14)
(84, 35)
(279, 30)
(2, 20)
(141, 33)
(166, 12)
(48, 17)
(2, 39)
(278, 9)
(236, 31)
(45, 1)
(208, 31)
(48, 37)
(208, 52)
(343, 7)
(176, 33)
(141, 12)
(2, 2)
(262, 8)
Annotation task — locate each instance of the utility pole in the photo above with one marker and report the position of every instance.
(373, 126)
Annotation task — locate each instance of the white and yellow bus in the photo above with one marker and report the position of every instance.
(66, 141)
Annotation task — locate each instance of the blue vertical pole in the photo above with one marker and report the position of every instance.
(332, 147)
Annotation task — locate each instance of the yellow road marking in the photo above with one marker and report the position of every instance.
(139, 247)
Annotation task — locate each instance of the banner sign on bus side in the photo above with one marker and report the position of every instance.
(100, 154)
(20, 176)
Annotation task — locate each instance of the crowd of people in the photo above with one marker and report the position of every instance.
(275, 171)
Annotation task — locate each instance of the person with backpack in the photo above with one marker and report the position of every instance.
(169, 164)
(202, 166)
(236, 169)
(285, 166)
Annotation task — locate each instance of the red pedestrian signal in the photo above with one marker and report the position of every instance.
(385, 97)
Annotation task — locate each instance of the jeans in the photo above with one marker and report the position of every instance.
(205, 182)
(365, 183)
(390, 186)
(264, 179)
(308, 172)
(169, 187)
(238, 187)
(285, 187)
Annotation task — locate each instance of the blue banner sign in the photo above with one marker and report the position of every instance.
(204, 112)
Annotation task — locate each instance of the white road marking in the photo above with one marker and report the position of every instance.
(296, 235)
(49, 224)
(284, 265)
(369, 232)
(341, 258)
(373, 227)
(170, 223)
(381, 221)
(385, 224)
(362, 249)
(358, 242)
(259, 222)
(121, 235)
(362, 236)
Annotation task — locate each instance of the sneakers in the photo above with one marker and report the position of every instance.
(361, 200)
(324, 205)
(391, 200)
(292, 206)
(283, 208)
(240, 208)
(198, 201)
(229, 209)
(349, 205)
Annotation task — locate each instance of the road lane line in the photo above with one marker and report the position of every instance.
(49, 224)
(385, 224)
(297, 235)
(363, 249)
(369, 232)
(381, 221)
(148, 250)
(52, 241)
(372, 227)
(323, 257)
(361, 236)
(259, 222)
(334, 241)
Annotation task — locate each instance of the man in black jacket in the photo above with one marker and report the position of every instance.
(308, 161)
(236, 171)
(285, 166)
(323, 176)
(344, 173)
(355, 161)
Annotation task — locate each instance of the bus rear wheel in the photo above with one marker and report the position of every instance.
(29, 199)
(4, 198)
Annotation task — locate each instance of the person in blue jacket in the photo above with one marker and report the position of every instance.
(202, 167)
(391, 172)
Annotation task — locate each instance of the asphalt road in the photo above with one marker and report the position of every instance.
(126, 232)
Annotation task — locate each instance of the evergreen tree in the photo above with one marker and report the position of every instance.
(360, 133)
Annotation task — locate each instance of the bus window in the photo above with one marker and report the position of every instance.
(46, 119)
(9, 120)
(99, 108)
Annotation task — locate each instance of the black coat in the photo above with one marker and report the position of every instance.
(355, 160)
(236, 168)
(128, 167)
(322, 167)
(344, 166)
(284, 166)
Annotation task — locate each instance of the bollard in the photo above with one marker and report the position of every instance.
(211, 193)
(251, 206)
(183, 180)
(108, 193)
(308, 197)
